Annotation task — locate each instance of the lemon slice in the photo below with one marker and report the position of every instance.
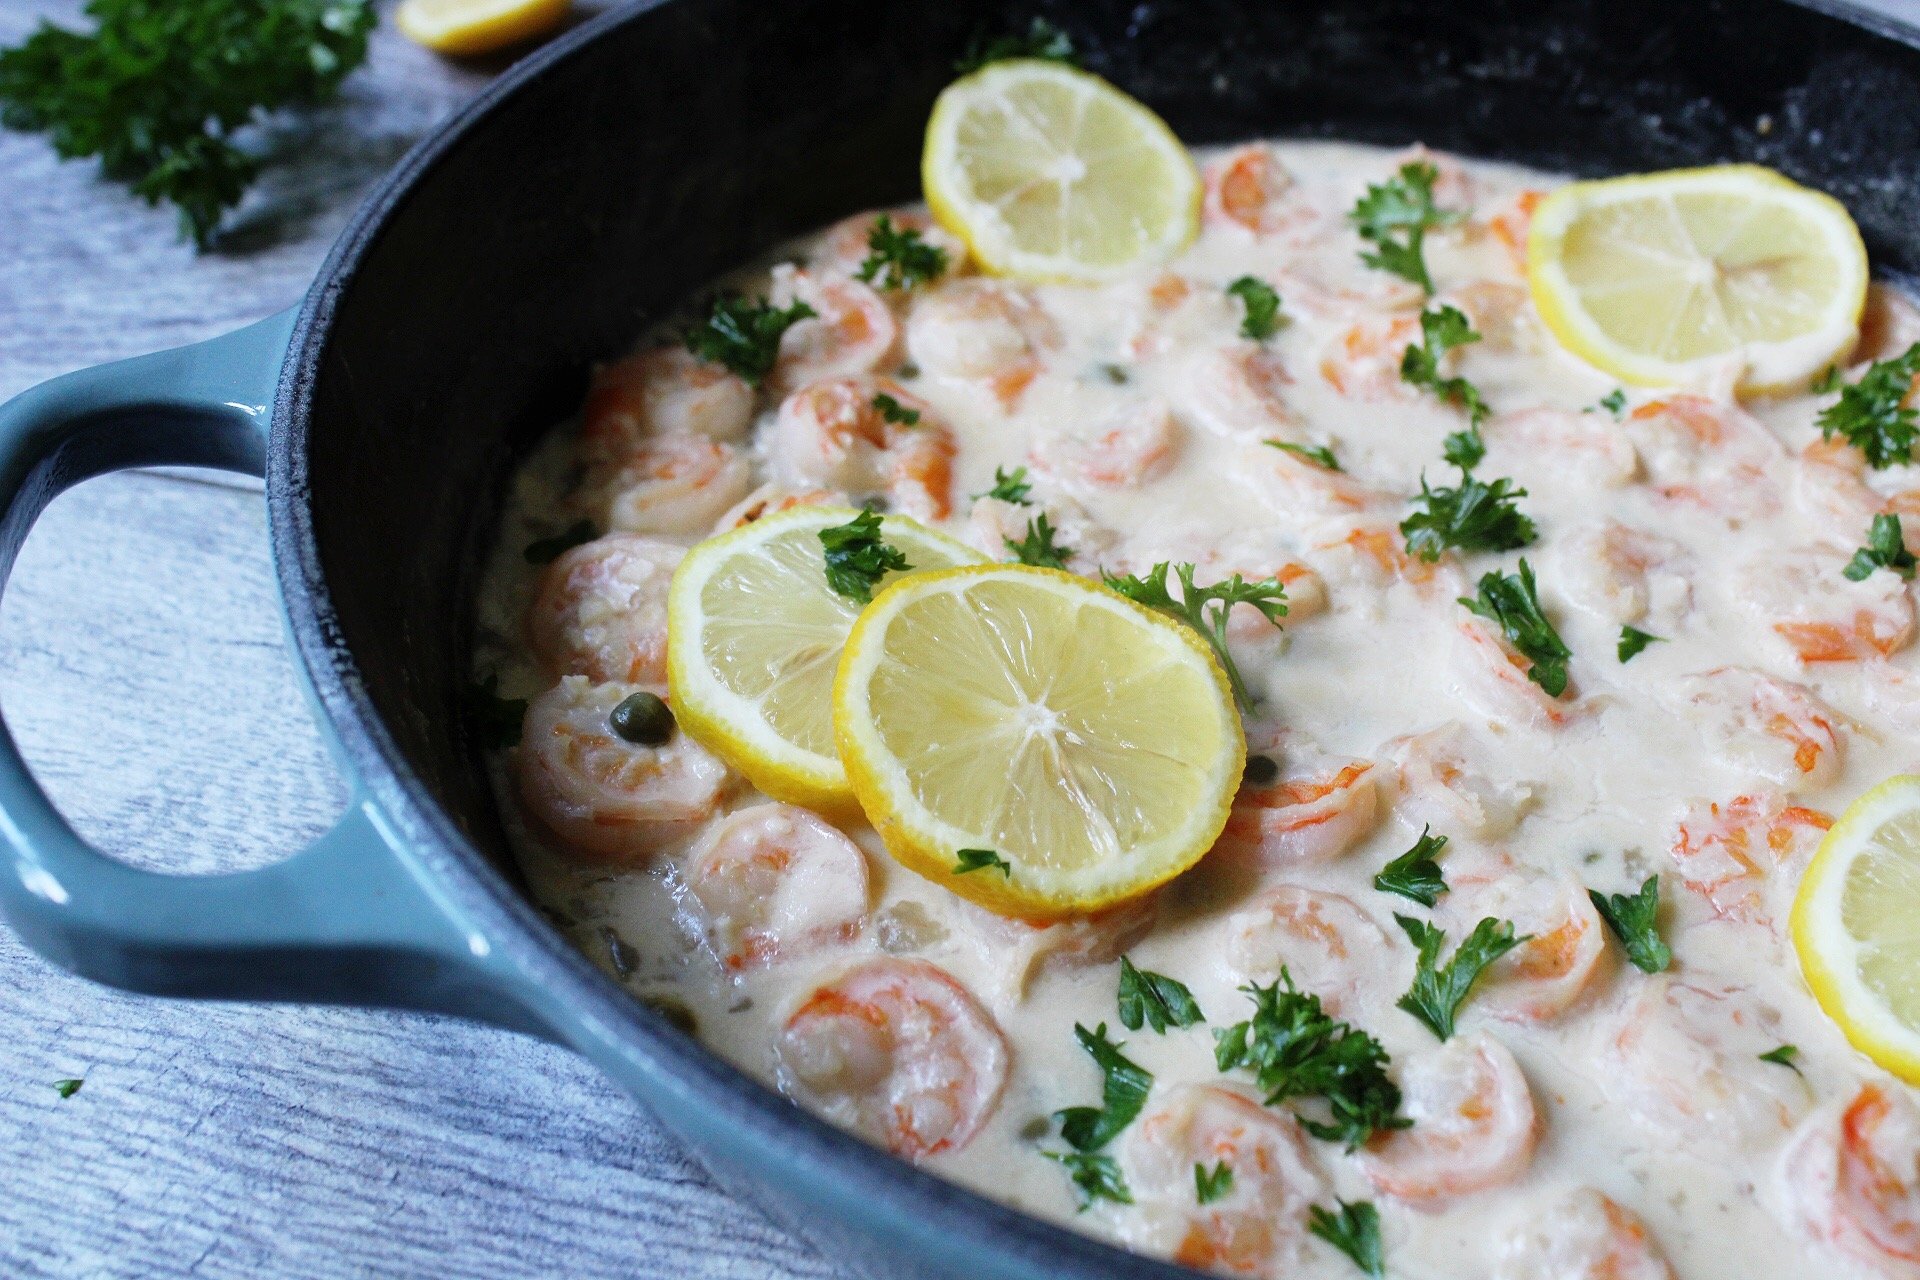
(753, 636)
(1049, 173)
(1856, 925)
(467, 27)
(1088, 742)
(1661, 278)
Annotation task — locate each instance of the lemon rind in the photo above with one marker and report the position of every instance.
(502, 28)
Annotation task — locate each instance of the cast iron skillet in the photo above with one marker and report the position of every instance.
(589, 189)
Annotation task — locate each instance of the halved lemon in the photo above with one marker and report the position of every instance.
(1088, 744)
(753, 638)
(1050, 173)
(467, 27)
(1659, 278)
(1856, 925)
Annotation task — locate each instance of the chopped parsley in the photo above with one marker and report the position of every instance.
(1153, 999)
(547, 550)
(1464, 449)
(1318, 454)
(1009, 488)
(1633, 640)
(497, 719)
(1784, 1057)
(1123, 1092)
(969, 860)
(857, 557)
(1439, 990)
(67, 1088)
(893, 411)
(1615, 403)
(1635, 920)
(1827, 382)
(1041, 40)
(1395, 216)
(1415, 874)
(1354, 1229)
(1038, 547)
(744, 336)
(899, 257)
(1263, 318)
(1442, 329)
(1473, 516)
(1205, 609)
(1510, 601)
(1886, 549)
(1871, 414)
(1098, 1176)
(1212, 1184)
(1295, 1050)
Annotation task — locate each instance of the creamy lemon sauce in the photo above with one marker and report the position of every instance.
(1778, 691)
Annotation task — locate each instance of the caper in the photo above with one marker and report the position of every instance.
(676, 1013)
(643, 719)
(1261, 771)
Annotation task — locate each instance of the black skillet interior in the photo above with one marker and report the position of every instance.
(690, 136)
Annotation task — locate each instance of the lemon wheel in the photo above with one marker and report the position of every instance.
(1089, 745)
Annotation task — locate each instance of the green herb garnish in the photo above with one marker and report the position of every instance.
(1473, 516)
(1615, 403)
(1395, 216)
(1510, 601)
(1205, 609)
(159, 89)
(970, 860)
(1262, 319)
(1464, 449)
(857, 557)
(900, 257)
(496, 719)
(67, 1088)
(1212, 1184)
(744, 336)
(1041, 40)
(1155, 1000)
(1098, 1176)
(1886, 549)
(1415, 874)
(1633, 640)
(547, 550)
(1009, 488)
(895, 412)
(1123, 1092)
(1318, 454)
(1443, 329)
(1827, 382)
(1354, 1230)
(1784, 1057)
(1038, 547)
(1635, 920)
(1438, 989)
(1871, 414)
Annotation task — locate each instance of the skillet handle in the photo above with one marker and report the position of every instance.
(345, 920)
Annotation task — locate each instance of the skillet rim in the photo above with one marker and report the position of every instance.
(567, 994)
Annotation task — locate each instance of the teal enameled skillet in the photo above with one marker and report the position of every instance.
(598, 182)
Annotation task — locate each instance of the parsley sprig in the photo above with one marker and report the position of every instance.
(1635, 920)
(1295, 1050)
(1318, 454)
(857, 556)
(1212, 1184)
(1871, 414)
(1123, 1092)
(1395, 216)
(1353, 1229)
(1153, 999)
(893, 411)
(1009, 486)
(967, 861)
(1439, 990)
(1784, 1057)
(1886, 549)
(1633, 640)
(900, 257)
(744, 336)
(1096, 1174)
(1473, 516)
(1041, 40)
(1205, 609)
(1415, 874)
(1038, 547)
(1262, 318)
(1511, 602)
(1442, 329)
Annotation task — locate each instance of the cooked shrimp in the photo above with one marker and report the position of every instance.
(601, 610)
(1583, 1235)
(770, 499)
(666, 391)
(1888, 326)
(1297, 487)
(851, 331)
(1172, 311)
(846, 246)
(1259, 1225)
(610, 800)
(1324, 941)
(1474, 1125)
(1133, 446)
(1566, 948)
(1832, 486)
(1735, 858)
(1237, 391)
(676, 485)
(993, 523)
(1501, 313)
(1707, 454)
(1364, 362)
(773, 882)
(1371, 550)
(899, 1052)
(1491, 676)
(1439, 783)
(1512, 222)
(1553, 449)
(1312, 818)
(1623, 575)
(983, 331)
(1770, 729)
(1818, 613)
(1683, 1055)
(1020, 951)
(1851, 1179)
(833, 434)
(1248, 187)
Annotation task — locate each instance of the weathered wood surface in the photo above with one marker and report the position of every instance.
(143, 671)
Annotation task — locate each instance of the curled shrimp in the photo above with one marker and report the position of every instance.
(1769, 729)
(1492, 677)
(770, 499)
(773, 882)
(1133, 446)
(1502, 314)
(847, 243)
(1371, 550)
(601, 610)
(1888, 325)
(834, 434)
(982, 331)
(1583, 1235)
(1512, 222)
(1707, 454)
(1364, 361)
(1294, 486)
(674, 485)
(851, 331)
(1548, 449)
(1237, 391)
(1565, 950)
(1474, 1125)
(1623, 575)
(994, 522)
(1733, 857)
(1019, 951)
(1248, 188)
(1258, 1225)
(1851, 1179)
(1172, 311)
(1312, 818)
(1819, 614)
(1324, 941)
(899, 1052)
(666, 391)
(1683, 1056)
(1440, 783)
(607, 799)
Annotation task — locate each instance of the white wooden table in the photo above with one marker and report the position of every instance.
(143, 671)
